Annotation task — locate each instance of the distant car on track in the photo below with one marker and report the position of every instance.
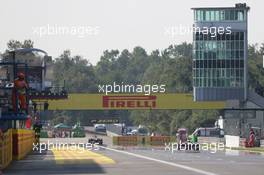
(95, 140)
(99, 128)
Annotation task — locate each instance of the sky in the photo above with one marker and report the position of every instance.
(88, 27)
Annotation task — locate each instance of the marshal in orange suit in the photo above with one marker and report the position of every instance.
(20, 87)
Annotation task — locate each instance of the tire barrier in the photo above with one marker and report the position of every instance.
(142, 140)
(5, 149)
(22, 142)
(125, 140)
(161, 140)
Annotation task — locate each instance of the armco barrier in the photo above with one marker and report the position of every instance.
(5, 149)
(22, 142)
(142, 140)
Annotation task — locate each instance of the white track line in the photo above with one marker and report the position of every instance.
(162, 161)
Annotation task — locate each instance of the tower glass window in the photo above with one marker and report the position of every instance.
(219, 15)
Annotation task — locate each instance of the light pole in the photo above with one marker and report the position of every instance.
(263, 61)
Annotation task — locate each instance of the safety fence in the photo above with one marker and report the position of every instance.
(22, 142)
(117, 130)
(5, 149)
(142, 140)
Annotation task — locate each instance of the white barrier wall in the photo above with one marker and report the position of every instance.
(232, 141)
(261, 143)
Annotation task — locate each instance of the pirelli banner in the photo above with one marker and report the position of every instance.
(131, 102)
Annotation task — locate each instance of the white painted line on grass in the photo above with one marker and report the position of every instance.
(162, 161)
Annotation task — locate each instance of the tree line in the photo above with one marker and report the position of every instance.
(171, 66)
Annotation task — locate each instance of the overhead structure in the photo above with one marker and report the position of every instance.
(131, 102)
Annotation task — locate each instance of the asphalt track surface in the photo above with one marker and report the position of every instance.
(135, 161)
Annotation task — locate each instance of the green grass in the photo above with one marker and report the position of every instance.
(254, 149)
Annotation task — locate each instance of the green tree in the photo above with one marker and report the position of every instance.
(76, 71)
(15, 44)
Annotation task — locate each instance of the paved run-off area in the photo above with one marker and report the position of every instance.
(72, 156)
(131, 161)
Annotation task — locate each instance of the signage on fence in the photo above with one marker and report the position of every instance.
(105, 121)
(131, 102)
